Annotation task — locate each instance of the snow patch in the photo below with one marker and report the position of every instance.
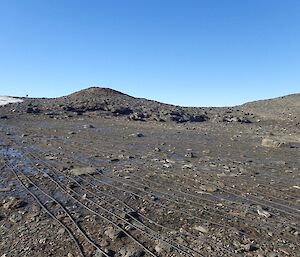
(7, 99)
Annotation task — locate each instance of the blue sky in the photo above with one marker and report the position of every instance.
(194, 53)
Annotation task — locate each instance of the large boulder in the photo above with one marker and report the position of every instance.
(121, 110)
(198, 118)
(83, 171)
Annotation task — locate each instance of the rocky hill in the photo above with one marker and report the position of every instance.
(108, 102)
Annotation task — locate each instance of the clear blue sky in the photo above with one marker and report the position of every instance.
(201, 53)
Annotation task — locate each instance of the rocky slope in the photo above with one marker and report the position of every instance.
(286, 107)
(96, 101)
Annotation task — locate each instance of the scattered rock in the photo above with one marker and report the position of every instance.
(269, 142)
(15, 217)
(121, 110)
(162, 247)
(13, 203)
(137, 135)
(137, 116)
(132, 214)
(130, 251)
(33, 110)
(236, 119)
(208, 188)
(190, 155)
(86, 126)
(107, 252)
(114, 233)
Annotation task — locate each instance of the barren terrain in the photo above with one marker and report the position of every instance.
(100, 173)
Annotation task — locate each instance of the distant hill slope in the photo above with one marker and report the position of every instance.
(286, 107)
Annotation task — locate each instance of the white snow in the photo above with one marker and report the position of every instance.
(7, 99)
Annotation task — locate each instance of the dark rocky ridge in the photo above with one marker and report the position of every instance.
(109, 102)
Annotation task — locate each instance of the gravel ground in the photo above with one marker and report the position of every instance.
(107, 185)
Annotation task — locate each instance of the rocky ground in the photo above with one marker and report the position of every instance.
(100, 173)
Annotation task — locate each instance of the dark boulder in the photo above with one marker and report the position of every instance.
(121, 110)
(198, 118)
(33, 110)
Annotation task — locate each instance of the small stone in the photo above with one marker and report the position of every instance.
(154, 198)
(86, 126)
(187, 166)
(61, 231)
(42, 240)
(104, 253)
(51, 158)
(209, 188)
(104, 243)
(201, 229)
(263, 213)
(190, 155)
